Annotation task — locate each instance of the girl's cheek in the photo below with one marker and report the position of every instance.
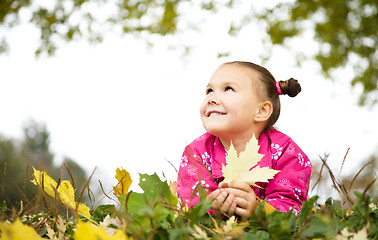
(204, 105)
(202, 110)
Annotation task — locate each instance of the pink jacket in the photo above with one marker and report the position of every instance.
(202, 160)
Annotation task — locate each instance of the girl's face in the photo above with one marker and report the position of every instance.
(231, 102)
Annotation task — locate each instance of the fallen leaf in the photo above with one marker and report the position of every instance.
(64, 192)
(124, 182)
(231, 228)
(45, 181)
(84, 210)
(173, 187)
(61, 226)
(199, 233)
(362, 234)
(17, 230)
(50, 232)
(108, 222)
(88, 231)
(269, 208)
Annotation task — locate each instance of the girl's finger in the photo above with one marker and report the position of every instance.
(241, 186)
(213, 195)
(246, 207)
(243, 203)
(227, 203)
(236, 192)
(244, 214)
(232, 209)
(219, 200)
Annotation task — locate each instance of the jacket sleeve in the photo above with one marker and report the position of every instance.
(192, 175)
(290, 186)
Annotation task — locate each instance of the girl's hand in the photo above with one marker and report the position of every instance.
(245, 198)
(222, 201)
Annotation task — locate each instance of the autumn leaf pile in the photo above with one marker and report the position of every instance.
(157, 213)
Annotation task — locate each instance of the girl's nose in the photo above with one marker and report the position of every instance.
(213, 101)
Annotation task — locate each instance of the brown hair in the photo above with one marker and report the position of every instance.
(269, 91)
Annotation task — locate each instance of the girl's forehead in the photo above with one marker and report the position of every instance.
(234, 73)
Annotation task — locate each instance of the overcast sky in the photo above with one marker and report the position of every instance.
(118, 104)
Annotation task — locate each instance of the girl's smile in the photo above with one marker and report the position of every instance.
(215, 112)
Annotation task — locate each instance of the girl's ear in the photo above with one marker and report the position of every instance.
(264, 111)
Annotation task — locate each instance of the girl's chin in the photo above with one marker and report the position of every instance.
(217, 128)
(217, 132)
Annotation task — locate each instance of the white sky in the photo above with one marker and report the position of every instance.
(117, 104)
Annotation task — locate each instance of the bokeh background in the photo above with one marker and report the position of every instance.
(99, 93)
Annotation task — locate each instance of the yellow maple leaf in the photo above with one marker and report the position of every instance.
(64, 192)
(45, 181)
(269, 208)
(88, 231)
(84, 210)
(238, 167)
(124, 182)
(17, 230)
(67, 193)
(231, 228)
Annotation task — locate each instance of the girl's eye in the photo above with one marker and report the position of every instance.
(229, 89)
(209, 90)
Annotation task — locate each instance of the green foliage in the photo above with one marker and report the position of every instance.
(69, 20)
(151, 210)
(102, 211)
(197, 212)
(345, 30)
(155, 214)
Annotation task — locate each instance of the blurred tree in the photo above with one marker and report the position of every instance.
(347, 33)
(35, 147)
(12, 171)
(72, 19)
(345, 30)
(17, 158)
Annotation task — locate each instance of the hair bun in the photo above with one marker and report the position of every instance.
(290, 87)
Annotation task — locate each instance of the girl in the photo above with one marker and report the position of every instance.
(242, 99)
